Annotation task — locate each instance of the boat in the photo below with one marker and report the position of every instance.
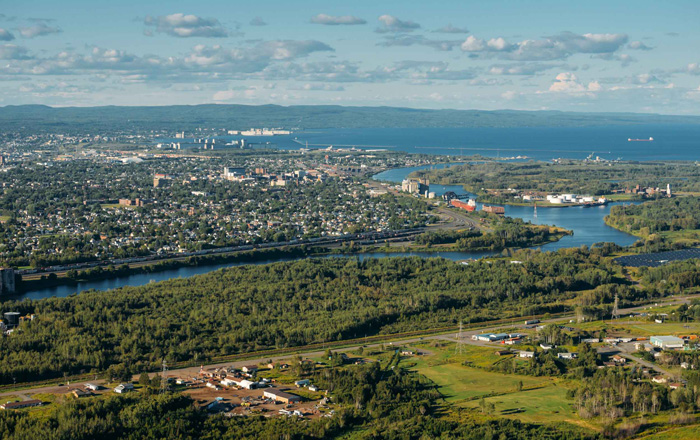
(640, 140)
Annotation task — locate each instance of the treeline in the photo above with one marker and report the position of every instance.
(650, 219)
(506, 233)
(250, 308)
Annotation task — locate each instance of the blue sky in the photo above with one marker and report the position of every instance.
(637, 56)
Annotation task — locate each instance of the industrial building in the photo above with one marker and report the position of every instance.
(415, 186)
(667, 342)
(281, 396)
(22, 404)
(231, 173)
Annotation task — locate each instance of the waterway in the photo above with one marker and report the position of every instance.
(586, 223)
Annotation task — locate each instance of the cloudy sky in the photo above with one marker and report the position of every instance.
(638, 56)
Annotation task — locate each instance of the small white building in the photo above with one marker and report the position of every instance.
(92, 386)
(124, 388)
(527, 354)
(247, 384)
(567, 356)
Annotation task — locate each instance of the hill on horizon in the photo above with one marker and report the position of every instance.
(234, 116)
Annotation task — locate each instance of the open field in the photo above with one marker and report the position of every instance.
(541, 405)
(681, 433)
(542, 399)
(459, 383)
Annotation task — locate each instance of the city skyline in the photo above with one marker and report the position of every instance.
(597, 56)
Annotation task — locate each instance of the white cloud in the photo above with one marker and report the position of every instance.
(6, 35)
(567, 82)
(473, 44)
(520, 69)
(645, 78)
(692, 68)
(393, 24)
(38, 30)
(335, 20)
(411, 40)
(13, 52)
(638, 45)
(224, 95)
(555, 47)
(320, 87)
(449, 29)
(184, 26)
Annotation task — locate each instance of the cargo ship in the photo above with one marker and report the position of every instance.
(640, 140)
(494, 209)
(469, 206)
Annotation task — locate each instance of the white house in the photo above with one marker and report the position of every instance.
(527, 354)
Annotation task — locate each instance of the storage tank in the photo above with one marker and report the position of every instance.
(12, 318)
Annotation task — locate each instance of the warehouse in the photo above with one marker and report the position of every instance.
(281, 396)
(667, 342)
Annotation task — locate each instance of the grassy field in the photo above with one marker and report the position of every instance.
(459, 383)
(681, 433)
(542, 405)
(542, 399)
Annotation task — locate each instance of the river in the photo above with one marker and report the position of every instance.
(586, 223)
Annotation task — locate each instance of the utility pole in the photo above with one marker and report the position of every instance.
(615, 311)
(163, 380)
(460, 342)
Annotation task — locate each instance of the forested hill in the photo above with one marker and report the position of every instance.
(182, 117)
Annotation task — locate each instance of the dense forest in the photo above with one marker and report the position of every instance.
(676, 214)
(376, 403)
(567, 177)
(507, 232)
(289, 304)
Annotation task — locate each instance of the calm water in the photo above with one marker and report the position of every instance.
(587, 224)
(671, 142)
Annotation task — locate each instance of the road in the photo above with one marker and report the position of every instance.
(466, 338)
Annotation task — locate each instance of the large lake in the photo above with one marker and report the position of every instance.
(671, 141)
(586, 223)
